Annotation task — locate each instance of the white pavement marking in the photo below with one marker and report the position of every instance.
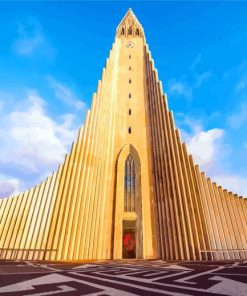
(237, 293)
(132, 285)
(62, 289)
(225, 286)
(28, 263)
(57, 278)
(177, 267)
(185, 280)
(134, 272)
(50, 268)
(113, 292)
(28, 285)
(125, 276)
(228, 287)
(85, 266)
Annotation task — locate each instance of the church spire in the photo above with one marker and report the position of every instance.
(130, 26)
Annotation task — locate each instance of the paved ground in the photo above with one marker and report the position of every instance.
(130, 277)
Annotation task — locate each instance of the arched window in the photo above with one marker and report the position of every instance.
(137, 32)
(130, 31)
(122, 31)
(129, 185)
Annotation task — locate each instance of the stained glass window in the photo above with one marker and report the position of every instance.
(129, 185)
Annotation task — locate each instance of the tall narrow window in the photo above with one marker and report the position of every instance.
(122, 31)
(129, 185)
(129, 95)
(137, 32)
(129, 80)
(130, 31)
(129, 130)
(129, 111)
(129, 68)
(130, 56)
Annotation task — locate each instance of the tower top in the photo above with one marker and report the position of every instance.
(130, 26)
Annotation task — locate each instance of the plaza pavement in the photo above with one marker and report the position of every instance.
(122, 278)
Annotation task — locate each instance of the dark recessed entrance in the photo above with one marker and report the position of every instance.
(129, 239)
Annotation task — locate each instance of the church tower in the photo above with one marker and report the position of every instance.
(128, 188)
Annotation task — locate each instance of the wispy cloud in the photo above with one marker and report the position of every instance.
(201, 78)
(65, 94)
(189, 82)
(188, 125)
(241, 85)
(180, 88)
(196, 61)
(30, 37)
(239, 118)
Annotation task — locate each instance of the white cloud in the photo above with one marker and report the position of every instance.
(234, 183)
(29, 38)
(32, 143)
(9, 186)
(204, 146)
(65, 94)
(238, 119)
(209, 151)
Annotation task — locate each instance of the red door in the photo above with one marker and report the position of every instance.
(129, 243)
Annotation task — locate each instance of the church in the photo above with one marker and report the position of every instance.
(128, 188)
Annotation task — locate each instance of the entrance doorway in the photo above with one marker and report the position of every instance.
(129, 240)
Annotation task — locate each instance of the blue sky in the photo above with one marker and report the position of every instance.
(52, 55)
